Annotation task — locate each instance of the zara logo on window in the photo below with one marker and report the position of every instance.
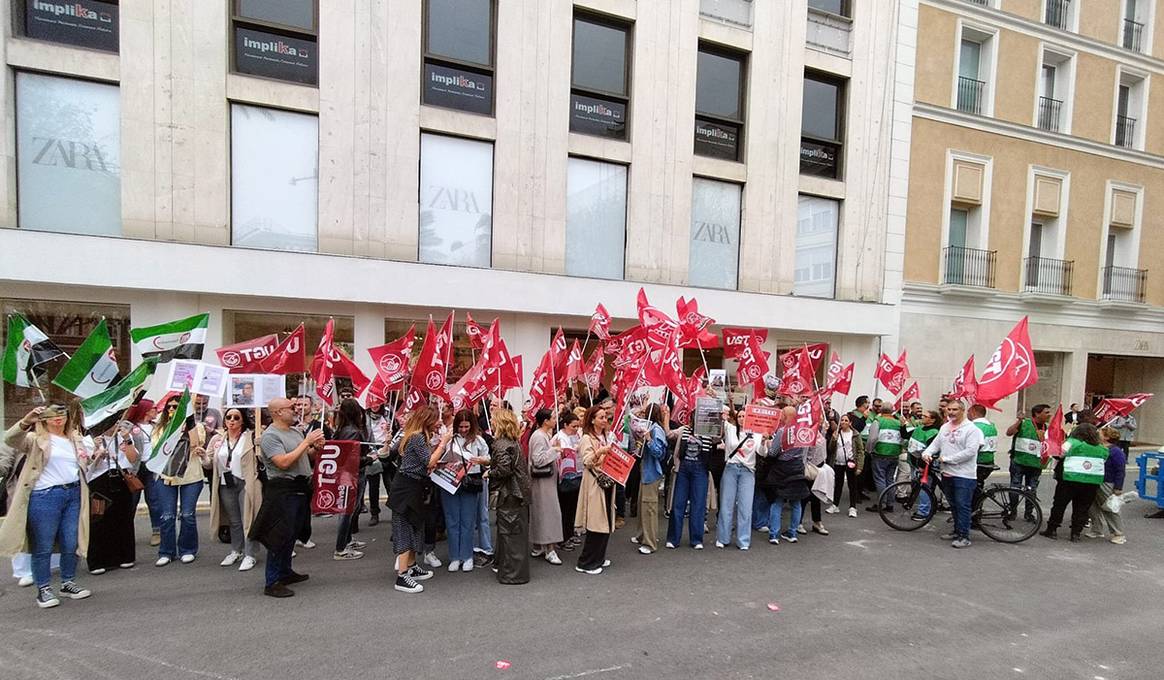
(712, 233)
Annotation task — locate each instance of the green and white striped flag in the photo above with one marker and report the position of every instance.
(26, 352)
(92, 368)
(164, 449)
(181, 339)
(102, 406)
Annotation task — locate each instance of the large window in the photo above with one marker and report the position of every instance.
(822, 126)
(274, 178)
(595, 219)
(600, 77)
(277, 39)
(715, 234)
(68, 155)
(816, 247)
(93, 23)
(719, 103)
(456, 201)
(458, 54)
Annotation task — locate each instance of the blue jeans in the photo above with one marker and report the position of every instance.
(1021, 475)
(153, 501)
(690, 485)
(483, 540)
(923, 500)
(460, 520)
(295, 510)
(774, 517)
(53, 516)
(884, 473)
(187, 536)
(760, 510)
(960, 491)
(739, 487)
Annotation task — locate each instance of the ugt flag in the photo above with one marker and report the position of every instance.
(27, 350)
(92, 368)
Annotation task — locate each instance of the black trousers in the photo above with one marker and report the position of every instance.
(111, 535)
(844, 472)
(374, 482)
(983, 472)
(594, 548)
(568, 502)
(1080, 496)
(812, 501)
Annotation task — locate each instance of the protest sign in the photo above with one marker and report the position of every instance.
(255, 389)
(761, 419)
(337, 472)
(708, 417)
(198, 377)
(617, 465)
(451, 469)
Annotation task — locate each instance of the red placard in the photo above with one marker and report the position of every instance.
(617, 464)
(761, 419)
(337, 472)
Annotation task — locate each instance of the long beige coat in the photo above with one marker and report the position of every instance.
(14, 530)
(252, 494)
(592, 500)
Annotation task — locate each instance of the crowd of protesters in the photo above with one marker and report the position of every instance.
(533, 488)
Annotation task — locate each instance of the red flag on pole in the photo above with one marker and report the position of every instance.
(331, 362)
(1011, 367)
(843, 381)
(575, 366)
(391, 360)
(735, 339)
(431, 370)
(1114, 406)
(890, 374)
(965, 384)
(247, 356)
(289, 357)
(797, 378)
(752, 364)
(1053, 442)
(804, 430)
(909, 395)
(904, 366)
(600, 323)
(475, 332)
(541, 389)
(593, 373)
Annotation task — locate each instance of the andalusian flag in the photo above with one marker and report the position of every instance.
(105, 406)
(92, 368)
(164, 449)
(27, 351)
(182, 339)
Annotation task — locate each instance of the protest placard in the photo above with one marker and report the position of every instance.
(196, 376)
(337, 473)
(255, 389)
(761, 419)
(617, 465)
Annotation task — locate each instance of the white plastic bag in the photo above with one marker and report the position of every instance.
(1113, 504)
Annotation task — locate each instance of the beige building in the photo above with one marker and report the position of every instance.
(268, 161)
(1036, 188)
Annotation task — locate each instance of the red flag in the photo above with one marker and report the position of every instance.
(1111, 407)
(890, 374)
(509, 367)
(633, 347)
(752, 365)
(430, 374)
(650, 316)
(965, 384)
(910, 395)
(377, 394)
(1011, 367)
(667, 371)
(541, 389)
(1053, 442)
(693, 325)
(246, 356)
(391, 360)
(575, 366)
(289, 357)
(798, 377)
(337, 475)
(600, 323)
(904, 366)
(593, 373)
(843, 381)
(475, 332)
(804, 430)
(816, 353)
(735, 339)
(331, 362)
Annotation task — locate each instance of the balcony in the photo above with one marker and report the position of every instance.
(1050, 114)
(828, 32)
(969, 267)
(1133, 35)
(1058, 14)
(1124, 284)
(970, 95)
(1125, 132)
(1047, 276)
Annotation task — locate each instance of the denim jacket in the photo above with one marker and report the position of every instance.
(654, 450)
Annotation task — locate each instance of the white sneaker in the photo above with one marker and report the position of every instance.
(644, 550)
(719, 545)
(230, 559)
(833, 510)
(347, 554)
(455, 565)
(309, 544)
(187, 559)
(248, 563)
(852, 512)
(25, 581)
(162, 561)
(431, 560)
(699, 546)
(97, 572)
(552, 557)
(670, 545)
(467, 566)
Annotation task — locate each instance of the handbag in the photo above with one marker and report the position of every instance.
(472, 482)
(811, 471)
(130, 479)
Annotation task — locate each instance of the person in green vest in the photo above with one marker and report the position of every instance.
(990, 443)
(919, 439)
(1079, 474)
(1026, 451)
(886, 447)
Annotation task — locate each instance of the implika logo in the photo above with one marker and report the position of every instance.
(276, 46)
(458, 81)
(72, 9)
(597, 109)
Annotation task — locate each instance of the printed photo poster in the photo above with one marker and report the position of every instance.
(450, 470)
(708, 417)
(717, 378)
(198, 377)
(255, 389)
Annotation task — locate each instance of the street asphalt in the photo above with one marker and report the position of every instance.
(863, 602)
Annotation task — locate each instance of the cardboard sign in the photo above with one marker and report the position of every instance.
(451, 469)
(198, 377)
(617, 465)
(255, 389)
(708, 417)
(761, 419)
(336, 476)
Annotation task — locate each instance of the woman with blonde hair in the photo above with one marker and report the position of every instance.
(509, 473)
(421, 447)
(595, 511)
(51, 501)
(185, 485)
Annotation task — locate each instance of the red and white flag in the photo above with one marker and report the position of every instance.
(247, 356)
(1053, 442)
(693, 326)
(600, 323)
(842, 382)
(798, 375)
(289, 357)
(331, 362)
(735, 339)
(965, 384)
(430, 375)
(475, 332)
(890, 374)
(575, 366)
(594, 368)
(803, 431)
(901, 361)
(911, 394)
(1010, 369)
(391, 360)
(752, 364)
(541, 388)
(816, 354)
(1111, 407)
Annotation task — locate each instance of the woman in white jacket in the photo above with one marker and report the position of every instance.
(739, 482)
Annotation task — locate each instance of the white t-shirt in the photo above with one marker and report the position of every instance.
(474, 449)
(61, 466)
(224, 451)
(106, 463)
(845, 451)
(567, 445)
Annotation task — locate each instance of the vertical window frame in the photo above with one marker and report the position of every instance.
(739, 124)
(627, 27)
(237, 20)
(427, 56)
(842, 110)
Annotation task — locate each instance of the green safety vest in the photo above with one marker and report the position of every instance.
(888, 437)
(865, 430)
(1027, 447)
(920, 440)
(1083, 462)
(990, 442)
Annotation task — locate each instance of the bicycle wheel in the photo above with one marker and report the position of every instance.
(907, 499)
(998, 517)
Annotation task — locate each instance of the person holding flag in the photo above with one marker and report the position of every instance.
(1079, 474)
(50, 504)
(178, 457)
(885, 440)
(1026, 451)
(115, 456)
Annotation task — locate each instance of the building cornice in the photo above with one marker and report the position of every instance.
(943, 114)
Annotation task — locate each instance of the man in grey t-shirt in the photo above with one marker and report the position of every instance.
(277, 442)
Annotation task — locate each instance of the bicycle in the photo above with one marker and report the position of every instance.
(910, 505)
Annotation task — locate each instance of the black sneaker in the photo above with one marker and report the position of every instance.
(45, 598)
(278, 590)
(419, 573)
(295, 577)
(73, 591)
(405, 583)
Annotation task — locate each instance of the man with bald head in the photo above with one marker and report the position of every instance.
(286, 494)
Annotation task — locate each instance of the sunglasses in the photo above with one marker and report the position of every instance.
(234, 417)
(172, 407)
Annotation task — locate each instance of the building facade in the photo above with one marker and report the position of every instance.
(1036, 186)
(378, 161)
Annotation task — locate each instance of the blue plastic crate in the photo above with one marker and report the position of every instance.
(1146, 461)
